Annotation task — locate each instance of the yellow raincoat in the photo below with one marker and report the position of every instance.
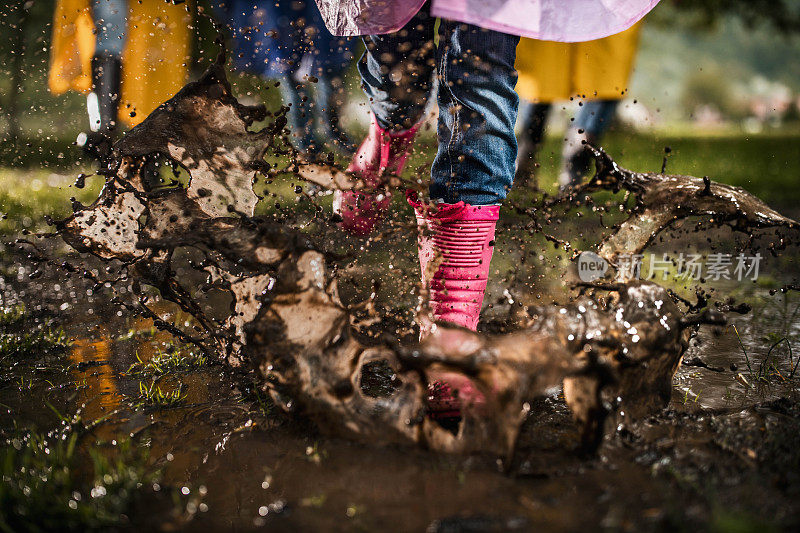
(600, 69)
(155, 63)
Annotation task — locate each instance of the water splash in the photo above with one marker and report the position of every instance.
(285, 318)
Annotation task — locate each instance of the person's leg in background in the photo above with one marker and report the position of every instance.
(269, 40)
(309, 103)
(396, 71)
(300, 117)
(103, 102)
(327, 105)
(297, 66)
(533, 120)
(331, 57)
(592, 121)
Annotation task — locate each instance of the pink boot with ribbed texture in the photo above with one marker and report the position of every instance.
(461, 238)
(381, 152)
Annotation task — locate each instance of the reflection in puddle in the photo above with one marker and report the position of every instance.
(97, 381)
(256, 469)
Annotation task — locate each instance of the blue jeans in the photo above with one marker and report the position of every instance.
(304, 108)
(111, 21)
(477, 101)
(595, 116)
(270, 40)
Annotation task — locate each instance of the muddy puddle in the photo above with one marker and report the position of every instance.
(723, 453)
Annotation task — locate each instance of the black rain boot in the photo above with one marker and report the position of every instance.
(576, 159)
(102, 105)
(530, 141)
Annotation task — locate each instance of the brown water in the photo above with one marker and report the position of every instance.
(719, 451)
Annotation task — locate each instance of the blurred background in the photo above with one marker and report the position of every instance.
(716, 81)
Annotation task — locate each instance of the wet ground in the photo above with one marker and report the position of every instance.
(725, 455)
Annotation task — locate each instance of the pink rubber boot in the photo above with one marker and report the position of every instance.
(381, 152)
(462, 236)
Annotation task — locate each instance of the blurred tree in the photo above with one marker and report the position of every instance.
(784, 15)
(792, 115)
(17, 19)
(711, 87)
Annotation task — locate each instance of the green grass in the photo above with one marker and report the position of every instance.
(46, 340)
(20, 342)
(258, 399)
(28, 196)
(767, 164)
(48, 484)
(11, 316)
(36, 149)
(174, 359)
(153, 396)
(727, 521)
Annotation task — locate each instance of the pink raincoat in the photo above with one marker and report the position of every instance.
(549, 20)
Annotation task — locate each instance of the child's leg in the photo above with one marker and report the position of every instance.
(477, 113)
(472, 173)
(299, 116)
(111, 18)
(111, 22)
(596, 116)
(396, 71)
(327, 109)
(473, 169)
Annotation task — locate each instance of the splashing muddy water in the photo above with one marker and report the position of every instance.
(723, 450)
(619, 348)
